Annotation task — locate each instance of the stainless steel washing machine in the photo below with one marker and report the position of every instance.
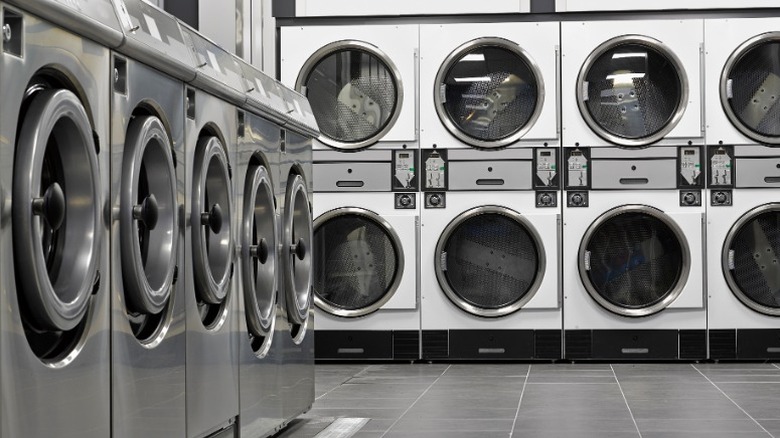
(147, 195)
(210, 136)
(295, 318)
(54, 137)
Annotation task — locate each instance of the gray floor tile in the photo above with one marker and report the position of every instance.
(575, 412)
(569, 426)
(376, 403)
(735, 427)
(704, 435)
(772, 426)
(685, 409)
(364, 434)
(378, 425)
(557, 433)
(574, 391)
(572, 378)
(446, 434)
(466, 402)
(482, 370)
(439, 410)
(389, 413)
(666, 390)
(413, 423)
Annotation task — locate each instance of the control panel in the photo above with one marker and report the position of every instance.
(577, 168)
(721, 166)
(404, 170)
(690, 167)
(435, 169)
(546, 168)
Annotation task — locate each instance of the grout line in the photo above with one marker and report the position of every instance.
(342, 382)
(732, 401)
(519, 402)
(415, 401)
(625, 400)
(776, 366)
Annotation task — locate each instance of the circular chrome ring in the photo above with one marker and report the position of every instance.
(644, 41)
(298, 236)
(259, 221)
(212, 250)
(727, 243)
(454, 57)
(735, 57)
(58, 295)
(361, 46)
(453, 295)
(398, 250)
(671, 296)
(148, 278)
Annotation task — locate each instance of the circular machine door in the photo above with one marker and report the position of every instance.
(634, 260)
(359, 262)
(489, 261)
(148, 225)
(355, 93)
(750, 259)
(489, 92)
(259, 256)
(297, 249)
(57, 221)
(750, 88)
(212, 240)
(632, 90)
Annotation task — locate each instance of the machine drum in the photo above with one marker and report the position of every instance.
(634, 263)
(297, 249)
(488, 92)
(751, 259)
(358, 262)
(354, 91)
(489, 261)
(632, 91)
(750, 88)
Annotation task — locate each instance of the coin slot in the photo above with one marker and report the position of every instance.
(634, 181)
(350, 184)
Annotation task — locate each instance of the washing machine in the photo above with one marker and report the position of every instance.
(147, 245)
(632, 83)
(743, 80)
(489, 87)
(633, 254)
(489, 255)
(210, 134)
(295, 318)
(361, 82)
(365, 270)
(54, 150)
(257, 239)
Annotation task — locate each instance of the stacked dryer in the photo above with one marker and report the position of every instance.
(490, 140)
(361, 83)
(743, 234)
(633, 213)
(55, 284)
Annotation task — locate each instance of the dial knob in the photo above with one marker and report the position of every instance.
(577, 199)
(435, 200)
(545, 199)
(689, 199)
(720, 198)
(405, 200)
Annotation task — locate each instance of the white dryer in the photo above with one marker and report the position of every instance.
(210, 135)
(632, 83)
(360, 81)
(54, 154)
(633, 254)
(743, 81)
(489, 257)
(147, 193)
(489, 86)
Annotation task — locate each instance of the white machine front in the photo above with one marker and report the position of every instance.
(640, 242)
(490, 260)
(365, 277)
(742, 81)
(489, 86)
(632, 83)
(360, 81)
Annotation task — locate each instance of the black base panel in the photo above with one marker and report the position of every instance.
(745, 344)
(494, 345)
(635, 344)
(366, 345)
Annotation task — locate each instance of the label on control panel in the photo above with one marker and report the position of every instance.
(577, 168)
(721, 166)
(404, 170)
(546, 166)
(690, 167)
(435, 162)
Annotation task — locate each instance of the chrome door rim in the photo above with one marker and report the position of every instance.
(660, 48)
(361, 46)
(736, 56)
(670, 296)
(735, 289)
(460, 302)
(147, 134)
(462, 50)
(298, 295)
(397, 246)
(260, 321)
(58, 305)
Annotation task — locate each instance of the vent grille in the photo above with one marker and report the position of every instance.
(547, 344)
(406, 345)
(435, 344)
(693, 344)
(579, 344)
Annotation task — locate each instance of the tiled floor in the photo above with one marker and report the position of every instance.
(548, 400)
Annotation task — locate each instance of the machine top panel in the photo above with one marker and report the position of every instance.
(262, 93)
(300, 117)
(94, 19)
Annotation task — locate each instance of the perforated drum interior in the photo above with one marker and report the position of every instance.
(489, 92)
(750, 259)
(358, 263)
(632, 90)
(489, 261)
(750, 88)
(634, 260)
(355, 93)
